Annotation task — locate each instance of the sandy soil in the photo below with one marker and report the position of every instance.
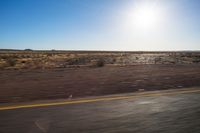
(29, 85)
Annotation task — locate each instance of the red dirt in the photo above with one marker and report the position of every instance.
(29, 85)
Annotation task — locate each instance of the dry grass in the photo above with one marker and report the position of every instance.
(60, 59)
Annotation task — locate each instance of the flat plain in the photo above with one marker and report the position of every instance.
(42, 84)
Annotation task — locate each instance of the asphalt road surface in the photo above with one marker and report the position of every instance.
(177, 113)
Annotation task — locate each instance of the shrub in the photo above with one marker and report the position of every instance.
(98, 63)
(76, 61)
(196, 59)
(4, 57)
(72, 61)
(11, 61)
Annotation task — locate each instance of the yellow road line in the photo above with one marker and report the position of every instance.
(97, 99)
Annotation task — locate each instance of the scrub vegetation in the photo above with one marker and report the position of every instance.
(29, 59)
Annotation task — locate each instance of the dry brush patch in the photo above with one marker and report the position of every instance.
(29, 59)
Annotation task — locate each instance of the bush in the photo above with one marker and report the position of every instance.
(4, 57)
(76, 61)
(196, 59)
(98, 63)
(72, 61)
(11, 61)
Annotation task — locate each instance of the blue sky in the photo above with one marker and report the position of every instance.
(98, 25)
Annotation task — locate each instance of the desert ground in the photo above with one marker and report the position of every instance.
(27, 75)
(26, 85)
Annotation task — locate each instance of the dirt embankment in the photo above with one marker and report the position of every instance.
(38, 84)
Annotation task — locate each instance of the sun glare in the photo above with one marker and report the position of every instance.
(144, 17)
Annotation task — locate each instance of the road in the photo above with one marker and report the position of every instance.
(172, 112)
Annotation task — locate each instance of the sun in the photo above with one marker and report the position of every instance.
(145, 17)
